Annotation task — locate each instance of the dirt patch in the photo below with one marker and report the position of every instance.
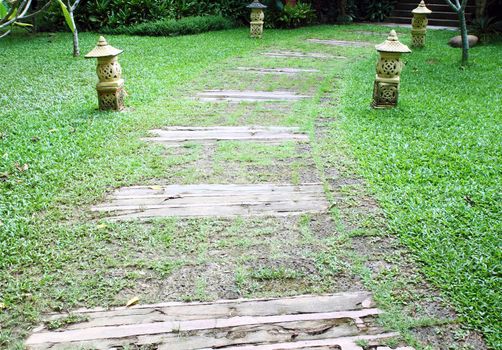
(449, 336)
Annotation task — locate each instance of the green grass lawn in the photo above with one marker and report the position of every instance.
(433, 163)
(435, 167)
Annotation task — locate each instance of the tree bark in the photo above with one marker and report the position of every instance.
(459, 8)
(465, 40)
(76, 49)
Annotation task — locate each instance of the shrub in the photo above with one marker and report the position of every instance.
(296, 16)
(485, 28)
(171, 27)
(378, 10)
(97, 14)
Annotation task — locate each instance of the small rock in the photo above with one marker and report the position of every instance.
(456, 41)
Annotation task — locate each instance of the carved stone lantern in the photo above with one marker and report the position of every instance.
(389, 66)
(111, 85)
(257, 17)
(419, 25)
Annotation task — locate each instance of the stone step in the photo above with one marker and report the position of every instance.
(436, 15)
(432, 22)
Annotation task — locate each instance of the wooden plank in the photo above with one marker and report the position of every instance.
(344, 343)
(248, 96)
(173, 136)
(156, 328)
(214, 200)
(279, 71)
(299, 54)
(220, 309)
(342, 43)
(201, 189)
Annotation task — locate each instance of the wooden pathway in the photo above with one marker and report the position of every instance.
(324, 322)
(280, 71)
(342, 43)
(299, 54)
(214, 200)
(177, 135)
(248, 96)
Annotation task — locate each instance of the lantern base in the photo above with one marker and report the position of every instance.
(111, 96)
(418, 38)
(256, 30)
(385, 95)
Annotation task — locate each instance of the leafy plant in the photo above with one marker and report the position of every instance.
(296, 16)
(379, 10)
(485, 27)
(172, 27)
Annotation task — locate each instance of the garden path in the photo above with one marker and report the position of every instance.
(272, 230)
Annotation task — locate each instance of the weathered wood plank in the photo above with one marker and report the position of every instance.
(280, 71)
(342, 43)
(344, 343)
(156, 328)
(248, 96)
(173, 136)
(214, 200)
(220, 309)
(299, 54)
(211, 189)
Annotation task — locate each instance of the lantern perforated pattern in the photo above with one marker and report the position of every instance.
(111, 100)
(419, 21)
(418, 40)
(256, 25)
(389, 67)
(109, 71)
(385, 94)
(257, 16)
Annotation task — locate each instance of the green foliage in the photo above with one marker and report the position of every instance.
(296, 16)
(486, 27)
(378, 10)
(3, 9)
(115, 13)
(171, 27)
(67, 16)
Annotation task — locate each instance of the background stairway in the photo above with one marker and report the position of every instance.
(442, 14)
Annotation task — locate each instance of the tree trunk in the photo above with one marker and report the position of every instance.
(76, 49)
(465, 40)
